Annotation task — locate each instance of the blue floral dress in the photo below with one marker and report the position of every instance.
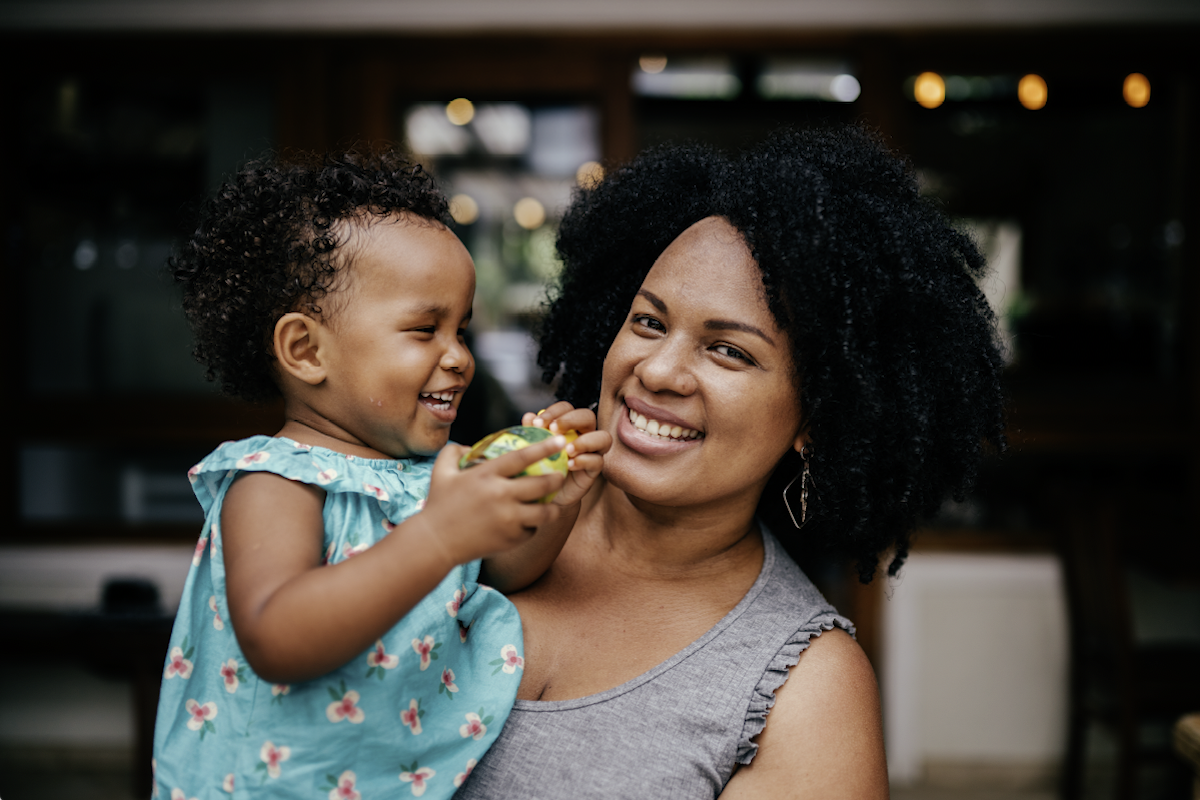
(411, 714)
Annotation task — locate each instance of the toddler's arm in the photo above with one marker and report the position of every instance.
(296, 619)
(517, 568)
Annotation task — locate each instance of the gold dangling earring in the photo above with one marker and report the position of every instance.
(804, 478)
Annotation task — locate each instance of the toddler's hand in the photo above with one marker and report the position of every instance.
(586, 453)
(477, 512)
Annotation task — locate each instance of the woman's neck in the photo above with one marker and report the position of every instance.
(667, 541)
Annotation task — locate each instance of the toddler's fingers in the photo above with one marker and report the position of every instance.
(553, 412)
(513, 462)
(580, 420)
(594, 442)
(588, 463)
(447, 459)
(530, 488)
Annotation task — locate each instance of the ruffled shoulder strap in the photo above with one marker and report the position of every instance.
(763, 698)
(401, 481)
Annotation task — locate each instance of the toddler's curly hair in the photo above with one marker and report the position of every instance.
(269, 241)
(895, 347)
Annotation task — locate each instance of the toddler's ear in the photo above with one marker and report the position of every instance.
(298, 347)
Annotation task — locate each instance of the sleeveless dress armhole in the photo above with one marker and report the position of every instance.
(776, 674)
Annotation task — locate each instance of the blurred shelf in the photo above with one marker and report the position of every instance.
(1095, 419)
(145, 420)
(99, 533)
(980, 541)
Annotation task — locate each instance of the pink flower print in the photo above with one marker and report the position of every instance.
(253, 458)
(227, 784)
(278, 691)
(508, 661)
(378, 660)
(421, 504)
(178, 663)
(200, 545)
(179, 794)
(350, 552)
(329, 552)
(272, 757)
(417, 777)
(325, 476)
(232, 673)
(194, 472)
(154, 777)
(412, 717)
(427, 649)
(447, 685)
(344, 706)
(462, 631)
(380, 494)
(218, 623)
(344, 789)
(388, 525)
(475, 727)
(456, 602)
(201, 717)
(461, 777)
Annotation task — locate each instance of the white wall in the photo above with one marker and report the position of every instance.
(974, 662)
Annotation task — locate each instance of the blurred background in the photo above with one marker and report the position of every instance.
(1042, 640)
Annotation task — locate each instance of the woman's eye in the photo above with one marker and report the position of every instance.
(732, 352)
(644, 321)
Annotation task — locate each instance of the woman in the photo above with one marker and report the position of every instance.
(792, 344)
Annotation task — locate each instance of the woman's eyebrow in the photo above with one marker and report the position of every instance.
(712, 324)
(728, 324)
(654, 299)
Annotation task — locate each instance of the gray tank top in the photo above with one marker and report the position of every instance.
(676, 730)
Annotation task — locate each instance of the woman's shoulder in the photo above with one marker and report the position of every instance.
(824, 735)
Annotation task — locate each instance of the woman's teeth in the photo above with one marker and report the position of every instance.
(659, 429)
(445, 398)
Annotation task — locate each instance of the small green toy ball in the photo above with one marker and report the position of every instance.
(515, 438)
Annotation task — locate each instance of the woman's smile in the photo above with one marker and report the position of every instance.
(652, 431)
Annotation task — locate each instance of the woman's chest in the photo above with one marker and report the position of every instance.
(579, 643)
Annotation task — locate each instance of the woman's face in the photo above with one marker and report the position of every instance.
(698, 389)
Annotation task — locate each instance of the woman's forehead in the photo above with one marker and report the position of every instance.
(710, 264)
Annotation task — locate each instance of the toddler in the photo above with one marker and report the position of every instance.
(334, 638)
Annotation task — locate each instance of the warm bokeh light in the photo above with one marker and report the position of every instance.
(929, 90)
(464, 209)
(589, 174)
(1032, 92)
(460, 111)
(653, 64)
(529, 213)
(1136, 90)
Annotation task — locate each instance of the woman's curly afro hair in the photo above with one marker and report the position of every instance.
(894, 345)
(267, 243)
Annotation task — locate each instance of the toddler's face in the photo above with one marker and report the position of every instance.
(397, 364)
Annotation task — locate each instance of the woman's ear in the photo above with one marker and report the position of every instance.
(802, 440)
(298, 347)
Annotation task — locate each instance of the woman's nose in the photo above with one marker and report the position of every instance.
(667, 368)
